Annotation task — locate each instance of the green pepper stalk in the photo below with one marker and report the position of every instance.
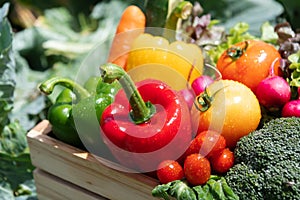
(78, 100)
(47, 87)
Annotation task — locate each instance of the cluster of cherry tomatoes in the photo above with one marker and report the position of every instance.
(206, 154)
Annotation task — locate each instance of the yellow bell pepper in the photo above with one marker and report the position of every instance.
(186, 59)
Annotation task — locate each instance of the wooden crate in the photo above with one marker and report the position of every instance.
(51, 187)
(81, 170)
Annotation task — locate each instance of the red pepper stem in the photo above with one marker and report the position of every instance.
(140, 111)
(47, 86)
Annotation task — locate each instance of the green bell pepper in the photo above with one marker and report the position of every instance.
(75, 106)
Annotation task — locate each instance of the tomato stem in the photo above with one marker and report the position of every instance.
(236, 52)
(204, 100)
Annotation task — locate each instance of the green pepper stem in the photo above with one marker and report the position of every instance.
(47, 86)
(140, 111)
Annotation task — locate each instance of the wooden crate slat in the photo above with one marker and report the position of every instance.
(84, 169)
(51, 187)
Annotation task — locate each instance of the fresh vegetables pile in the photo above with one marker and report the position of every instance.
(205, 146)
(208, 118)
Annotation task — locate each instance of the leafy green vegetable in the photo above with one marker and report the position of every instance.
(295, 67)
(268, 33)
(178, 189)
(216, 188)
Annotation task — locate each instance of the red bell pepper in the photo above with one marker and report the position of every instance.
(147, 125)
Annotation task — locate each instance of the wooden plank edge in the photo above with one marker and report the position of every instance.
(52, 187)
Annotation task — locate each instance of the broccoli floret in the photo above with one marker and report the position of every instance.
(267, 162)
(283, 184)
(245, 182)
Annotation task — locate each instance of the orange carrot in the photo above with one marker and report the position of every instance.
(132, 18)
(131, 24)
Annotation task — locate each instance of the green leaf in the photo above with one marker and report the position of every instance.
(26, 191)
(177, 189)
(16, 170)
(13, 140)
(156, 12)
(216, 189)
(268, 34)
(203, 192)
(7, 67)
(162, 190)
(5, 191)
(15, 162)
(181, 191)
(294, 79)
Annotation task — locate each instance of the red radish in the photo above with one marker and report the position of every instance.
(292, 108)
(273, 92)
(189, 97)
(200, 83)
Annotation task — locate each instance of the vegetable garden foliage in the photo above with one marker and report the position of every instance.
(15, 165)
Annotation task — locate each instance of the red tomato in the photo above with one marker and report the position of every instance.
(222, 161)
(207, 143)
(197, 169)
(249, 62)
(169, 170)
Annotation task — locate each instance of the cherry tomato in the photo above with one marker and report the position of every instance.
(228, 107)
(222, 161)
(169, 170)
(207, 143)
(249, 62)
(197, 169)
